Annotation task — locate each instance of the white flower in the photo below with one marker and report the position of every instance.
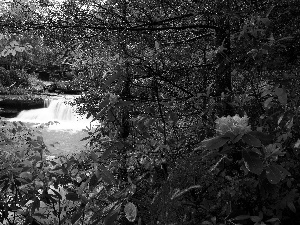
(236, 125)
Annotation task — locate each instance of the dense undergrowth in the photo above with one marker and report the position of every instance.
(175, 146)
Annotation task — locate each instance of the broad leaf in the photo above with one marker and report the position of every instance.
(242, 217)
(35, 205)
(93, 181)
(76, 216)
(279, 91)
(103, 103)
(112, 216)
(94, 157)
(263, 137)
(124, 103)
(267, 102)
(215, 143)
(251, 140)
(107, 176)
(112, 78)
(173, 117)
(26, 175)
(273, 174)
(130, 211)
(283, 99)
(291, 206)
(282, 95)
(107, 152)
(72, 196)
(41, 215)
(252, 161)
(283, 171)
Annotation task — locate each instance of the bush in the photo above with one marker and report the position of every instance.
(13, 77)
(5, 79)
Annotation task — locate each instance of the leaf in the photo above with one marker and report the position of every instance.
(173, 117)
(94, 157)
(35, 205)
(208, 89)
(297, 144)
(270, 10)
(76, 216)
(130, 211)
(252, 161)
(111, 115)
(40, 140)
(273, 174)
(107, 152)
(100, 114)
(112, 216)
(40, 215)
(206, 223)
(282, 95)
(285, 38)
(242, 217)
(72, 196)
(272, 220)
(283, 99)
(251, 140)
(267, 102)
(26, 175)
(124, 103)
(290, 124)
(283, 171)
(93, 181)
(280, 119)
(216, 143)
(84, 139)
(255, 218)
(103, 103)
(107, 176)
(56, 193)
(291, 206)
(14, 43)
(156, 45)
(113, 78)
(237, 138)
(263, 137)
(265, 21)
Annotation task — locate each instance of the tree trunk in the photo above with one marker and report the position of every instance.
(223, 70)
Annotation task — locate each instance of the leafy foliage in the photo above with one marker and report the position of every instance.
(199, 109)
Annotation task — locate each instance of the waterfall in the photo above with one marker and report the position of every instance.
(56, 109)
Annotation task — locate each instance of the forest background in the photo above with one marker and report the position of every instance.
(199, 103)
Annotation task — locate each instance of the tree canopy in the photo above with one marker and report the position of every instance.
(198, 102)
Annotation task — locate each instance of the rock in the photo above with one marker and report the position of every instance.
(8, 113)
(21, 102)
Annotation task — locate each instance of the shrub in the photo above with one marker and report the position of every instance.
(5, 79)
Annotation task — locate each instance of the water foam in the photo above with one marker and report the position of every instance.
(60, 112)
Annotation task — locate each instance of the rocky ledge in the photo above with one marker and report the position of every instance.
(11, 105)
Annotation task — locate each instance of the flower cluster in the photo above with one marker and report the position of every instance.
(236, 125)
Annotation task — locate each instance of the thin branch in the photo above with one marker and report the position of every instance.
(189, 40)
(106, 28)
(153, 23)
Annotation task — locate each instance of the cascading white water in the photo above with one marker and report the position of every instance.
(56, 109)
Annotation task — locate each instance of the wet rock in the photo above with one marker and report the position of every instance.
(21, 102)
(8, 113)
